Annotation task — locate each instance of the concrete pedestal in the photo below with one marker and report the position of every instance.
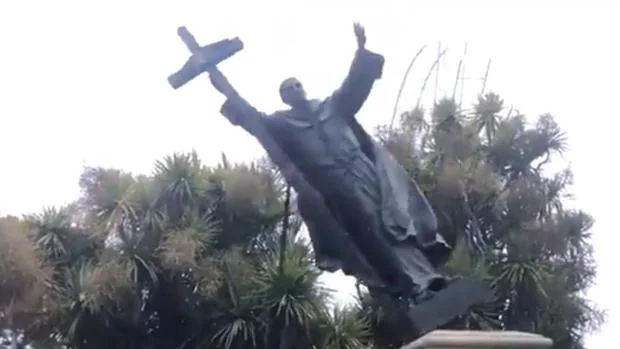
(444, 339)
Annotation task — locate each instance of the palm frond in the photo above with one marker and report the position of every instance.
(344, 328)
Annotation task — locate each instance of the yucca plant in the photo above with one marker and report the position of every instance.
(24, 278)
(290, 293)
(193, 256)
(237, 319)
(485, 176)
(344, 327)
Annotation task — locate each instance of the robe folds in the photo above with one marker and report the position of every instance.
(364, 213)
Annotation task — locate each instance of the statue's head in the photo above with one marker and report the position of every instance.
(292, 92)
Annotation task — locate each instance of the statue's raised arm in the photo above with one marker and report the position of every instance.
(236, 109)
(367, 67)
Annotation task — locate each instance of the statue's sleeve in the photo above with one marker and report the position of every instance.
(367, 67)
(241, 113)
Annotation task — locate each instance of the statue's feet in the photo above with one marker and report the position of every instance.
(418, 295)
(454, 300)
(422, 296)
(435, 286)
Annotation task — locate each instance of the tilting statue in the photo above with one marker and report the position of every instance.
(365, 214)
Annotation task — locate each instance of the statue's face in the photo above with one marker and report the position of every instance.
(292, 92)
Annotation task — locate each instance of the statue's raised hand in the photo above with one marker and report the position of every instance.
(220, 82)
(360, 34)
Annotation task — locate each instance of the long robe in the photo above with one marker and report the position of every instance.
(378, 208)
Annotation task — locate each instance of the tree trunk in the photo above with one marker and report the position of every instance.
(285, 225)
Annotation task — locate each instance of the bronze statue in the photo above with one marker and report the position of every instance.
(365, 214)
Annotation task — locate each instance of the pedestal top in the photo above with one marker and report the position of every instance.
(454, 339)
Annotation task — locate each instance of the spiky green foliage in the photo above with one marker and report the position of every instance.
(193, 256)
(187, 257)
(485, 173)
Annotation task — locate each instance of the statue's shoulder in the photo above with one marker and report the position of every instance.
(280, 117)
(282, 114)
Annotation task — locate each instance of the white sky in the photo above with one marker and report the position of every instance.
(85, 83)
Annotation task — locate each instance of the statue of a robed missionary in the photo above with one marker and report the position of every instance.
(365, 214)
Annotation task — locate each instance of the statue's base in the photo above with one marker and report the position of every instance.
(454, 300)
(442, 339)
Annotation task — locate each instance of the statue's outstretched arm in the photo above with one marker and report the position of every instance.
(236, 109)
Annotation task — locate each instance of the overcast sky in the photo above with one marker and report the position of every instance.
(84, 83)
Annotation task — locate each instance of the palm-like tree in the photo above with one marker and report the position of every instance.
(23, 281)
(56, 234)
(346, 327)
(237, 317)
(483, 174)
(291, 294)
(193, 256)
(187, 257)
(487, 114)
